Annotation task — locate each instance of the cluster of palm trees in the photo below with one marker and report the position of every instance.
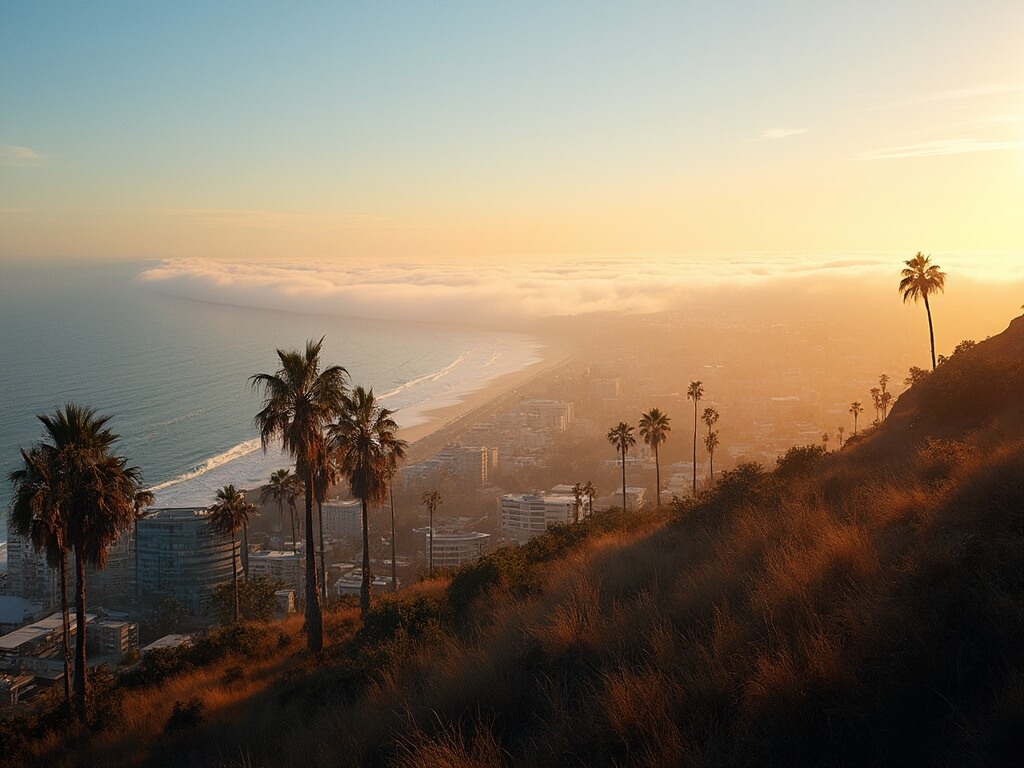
(654, 428)
(333, 433)
(74, 495)
(579, 492)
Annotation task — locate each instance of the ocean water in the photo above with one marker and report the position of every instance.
(173, 372)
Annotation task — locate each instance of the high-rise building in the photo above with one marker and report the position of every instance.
(343, 519)
(180, 556)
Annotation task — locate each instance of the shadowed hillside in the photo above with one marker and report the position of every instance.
(855, 608)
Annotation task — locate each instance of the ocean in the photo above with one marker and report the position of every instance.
(173, 372)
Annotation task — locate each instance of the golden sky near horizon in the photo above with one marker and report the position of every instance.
(396, 132)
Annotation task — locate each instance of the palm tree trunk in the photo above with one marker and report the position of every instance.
(65, 625)
(323, 560)
(364, 589)
(295, 538)
(314, 617)
(394, 568)
(711, 460)
(657, 477)
(931, 330)
(280, 510)
(81, 694)
(234, 572)
(623, 478)
(245, 550)
(136, 547)
(695, 446)
(430, 552)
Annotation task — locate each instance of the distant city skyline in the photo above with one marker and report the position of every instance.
(405, 131)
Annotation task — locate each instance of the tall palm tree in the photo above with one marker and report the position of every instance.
(695, 392)
(839, 431)
(299, 402)
(710, 417)
(577, 494)
(711, 443)
(229, 514)
(431, 500)
(856, 409)
(368, 450)
(326, 475)
(279, 489)
(654, 429)
(37, 514)
(590, 492)
(920, 279)
(97, 491)
(824, 441)
(621, 436)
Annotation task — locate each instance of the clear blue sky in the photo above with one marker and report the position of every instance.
(326, 129)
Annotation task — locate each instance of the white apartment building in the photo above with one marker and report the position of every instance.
(525, 515)
(285, 567)
(450, 550)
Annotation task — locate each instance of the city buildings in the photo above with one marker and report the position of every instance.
(180, 556)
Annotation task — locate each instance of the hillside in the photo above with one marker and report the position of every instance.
(860, 607)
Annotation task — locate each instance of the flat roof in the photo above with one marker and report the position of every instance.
(36, 631)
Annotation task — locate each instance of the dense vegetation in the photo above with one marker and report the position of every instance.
(858, 607)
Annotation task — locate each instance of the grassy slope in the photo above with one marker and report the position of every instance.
(866, 607)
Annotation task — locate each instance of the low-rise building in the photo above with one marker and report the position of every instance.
(525, 515)
(452, 549)
(14, 689)
(167, 641)
(113, 639)
(275, 565)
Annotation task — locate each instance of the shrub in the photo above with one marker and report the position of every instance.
(185, 715)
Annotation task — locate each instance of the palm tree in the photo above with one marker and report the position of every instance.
(143, 499)
(711, 443)
(229, 515)
(368, 451)
(326, 475)
(856, 409)
(824, 441)
(295, 489)
(621, 436)
(839, 431)
(37, 514)
(590, 492)
(577, 494)
(876, 399)
(921, 278)
(432, 500)
(96, 490)
(279, 489)
(695, 392)
(709, 417)
(299, 401)
(654, 430)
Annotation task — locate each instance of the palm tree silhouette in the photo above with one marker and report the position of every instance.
(654, 429)
(37, 514)
(326, 475)
(96, 490)
(279, 488)
(856, 409)
(710, 418)
(229, 514)
(590, 492)
(431, 500)
(299, 401)
(577, 494)
(839, 431)
(920, 279)
(621, 436)
(368, 451)
(711, 443)
(695, 392)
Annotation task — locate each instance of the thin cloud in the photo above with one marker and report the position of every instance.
(939, 148)
(11, 154)
(776, 134)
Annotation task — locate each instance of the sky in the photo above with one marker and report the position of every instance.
(268, 132)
